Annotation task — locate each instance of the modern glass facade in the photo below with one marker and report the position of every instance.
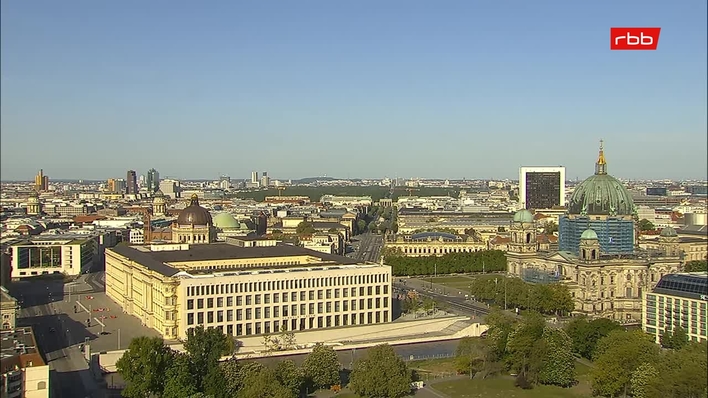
(616, 235)
(678, 300)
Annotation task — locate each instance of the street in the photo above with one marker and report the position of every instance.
(368, 247)
(455, 300)
(58, 336)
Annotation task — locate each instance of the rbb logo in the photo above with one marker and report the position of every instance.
(634, 38)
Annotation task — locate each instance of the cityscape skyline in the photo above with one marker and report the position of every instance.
(414, 89)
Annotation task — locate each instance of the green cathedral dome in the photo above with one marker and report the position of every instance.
(601, 194)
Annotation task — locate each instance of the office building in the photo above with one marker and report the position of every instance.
(131, 182)
(541, 187)
(170, 188)
(23, 372)
(254, 177)
(603, 204)
(656, 191)
(678, 300)
(152, 181)
(53, 254)
(265, 180)
(245, 287)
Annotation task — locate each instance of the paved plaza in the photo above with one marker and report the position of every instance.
(118, 328)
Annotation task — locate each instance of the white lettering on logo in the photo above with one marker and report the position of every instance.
(640, 40)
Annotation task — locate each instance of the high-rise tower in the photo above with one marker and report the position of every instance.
(152, 181)
(131, 183)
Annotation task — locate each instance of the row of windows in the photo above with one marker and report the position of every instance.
(255, 328)
(247, 287)
(439, 250)
(285, 310)
(285, 297)
(292, 310)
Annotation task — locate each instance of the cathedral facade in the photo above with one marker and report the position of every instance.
(605, 274)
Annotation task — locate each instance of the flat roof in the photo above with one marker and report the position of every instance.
(687, 284)
(18, 348)
(157, 260)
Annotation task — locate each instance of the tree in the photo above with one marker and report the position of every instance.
(179, 380)
(205, 347)
(559, 364)
(676, 339)
(263, 383)
(696, 266)
(322, 367)
(475, 355)
(490, 260)
(585, 334)
(305, 228)
(526, 348)
(290, 376)
(550, 227)
(382, 374)
(143, 366)
(287, 338)
(645, 381)
(617, 356)
(500, 327)
(646, 225)
(685, 372)
(360, 226)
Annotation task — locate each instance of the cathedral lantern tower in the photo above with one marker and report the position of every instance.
(523, 233)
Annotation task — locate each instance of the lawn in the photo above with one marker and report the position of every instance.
(503, 388)
(454, 282)
(443, 365)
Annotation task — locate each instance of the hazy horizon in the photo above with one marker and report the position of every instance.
(349, 89)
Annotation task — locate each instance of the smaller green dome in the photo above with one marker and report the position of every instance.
(588, 234)
(668, 232)
(523, 216)
(226, 221)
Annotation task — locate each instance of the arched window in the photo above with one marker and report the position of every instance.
(41, 385)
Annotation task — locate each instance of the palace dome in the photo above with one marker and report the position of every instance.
(194, 214)
(523, 216)
(226, 221)
(601, 194)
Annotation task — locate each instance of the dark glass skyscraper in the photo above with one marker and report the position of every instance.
(131, 183)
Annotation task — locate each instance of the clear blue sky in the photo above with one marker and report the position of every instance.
(412, 88)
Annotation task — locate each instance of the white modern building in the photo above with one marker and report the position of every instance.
(541, 187)
(68, 254)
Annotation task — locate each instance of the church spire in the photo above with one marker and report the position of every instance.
(601, 165)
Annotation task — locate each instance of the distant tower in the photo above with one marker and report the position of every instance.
(131, 182)
(152, 181)
(41, 182)
(159, 207)
(38, 180)
(254, 177)
(34, 207)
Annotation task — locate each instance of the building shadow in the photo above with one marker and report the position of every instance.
(56, 332)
